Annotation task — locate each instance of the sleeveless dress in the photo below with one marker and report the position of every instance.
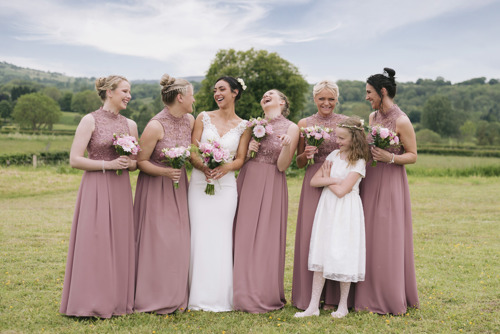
(212, 216)
(338, 236)
(309, 197)
(260, 228)
(390, 284)
(162, 228)
(99, 279)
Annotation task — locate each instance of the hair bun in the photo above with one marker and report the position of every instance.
(99, 83)
(166, 80)
(390, 72)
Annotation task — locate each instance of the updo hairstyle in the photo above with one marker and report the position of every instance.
(385, 80)
(326, 84)
(171, 87)
(285, 111)
(102, 84)
(233, 84)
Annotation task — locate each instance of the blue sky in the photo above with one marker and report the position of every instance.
(349, 39)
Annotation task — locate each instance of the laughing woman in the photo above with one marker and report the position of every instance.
(160, 210)
(260, 223)
(390, 285)
(99, 279)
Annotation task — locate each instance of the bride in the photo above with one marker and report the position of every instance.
(211, 216)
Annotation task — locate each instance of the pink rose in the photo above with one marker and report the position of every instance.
(218, 155)
(384, 133)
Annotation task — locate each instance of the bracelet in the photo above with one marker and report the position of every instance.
(103, 170)
(392, 159)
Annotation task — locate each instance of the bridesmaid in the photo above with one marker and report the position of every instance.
(99, 280)
(261, 217)
(326, 95)
(160, 211)
(390, 284)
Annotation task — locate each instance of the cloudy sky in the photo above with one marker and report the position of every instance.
(334, 39)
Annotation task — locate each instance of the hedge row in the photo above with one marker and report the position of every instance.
(39, 132)
(459, 152)
(487, 171)
(47, 158)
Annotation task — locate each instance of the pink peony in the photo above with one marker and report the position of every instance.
(384, 133)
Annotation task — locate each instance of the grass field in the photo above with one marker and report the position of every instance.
(456, 233)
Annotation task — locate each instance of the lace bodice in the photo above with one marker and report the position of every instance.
(176, 132)
(229, 141)
(329, 145)
(270, 145)
(388, 120)
(100, 146)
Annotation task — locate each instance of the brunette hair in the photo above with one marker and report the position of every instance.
(359, 145)
(385, 80)
(102, 84)
(326, 84)
(234, 84)
(285, 111)
(171, 87)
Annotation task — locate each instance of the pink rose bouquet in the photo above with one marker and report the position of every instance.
(176, 157)
(383, 138)
(260, 128)
(213, 155)
(314, 136)
(125, 145)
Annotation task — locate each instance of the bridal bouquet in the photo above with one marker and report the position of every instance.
(260, 128)
(383, 138)
(176, 157)
(213, 155)
(314, 136)
(125, 145)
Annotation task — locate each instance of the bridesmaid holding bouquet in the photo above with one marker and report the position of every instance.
(326, 95)
(161, 209)
(261, 217)
(99, 279)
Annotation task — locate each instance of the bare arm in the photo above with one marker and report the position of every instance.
(289, 144)
(132, 126)
(304, 151)
(195, 140)
(81, 140)
(345, 186)
(239, 159)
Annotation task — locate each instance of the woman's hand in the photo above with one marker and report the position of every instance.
(218, 172)
(379, 154)
(253, 146)
(310, 151)
(326, 168)
(173, 173)
(122, 162)
(286, 140)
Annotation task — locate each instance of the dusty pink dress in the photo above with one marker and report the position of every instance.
(260, 228)
(99, 278)
(390, 284)
(162, 235)
(309, 198)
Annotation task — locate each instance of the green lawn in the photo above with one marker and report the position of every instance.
(456, 233)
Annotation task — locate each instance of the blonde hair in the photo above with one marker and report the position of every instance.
(171, 87)
(285, 111)
(102, 84)
(359, 145)
(326, 84)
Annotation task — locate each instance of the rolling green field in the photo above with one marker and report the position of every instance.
(456, 233)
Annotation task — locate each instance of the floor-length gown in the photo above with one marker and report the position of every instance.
(99, 279)
(309, 197)
(162, 235)
(260, 228)
(212, 216)
(390, 284)
(338, 236)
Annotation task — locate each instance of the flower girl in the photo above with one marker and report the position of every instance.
(337, 248)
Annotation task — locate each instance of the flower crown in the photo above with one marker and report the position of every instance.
(242, 83)
(361, 128)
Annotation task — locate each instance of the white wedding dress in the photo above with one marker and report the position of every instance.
(211, 217)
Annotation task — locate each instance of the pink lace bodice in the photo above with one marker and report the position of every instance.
(270, 146)
(100, 145)
(388, 120)
(329, 145)
(176, 132)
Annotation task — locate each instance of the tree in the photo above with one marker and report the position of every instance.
(85, 102)
(52, 92)
(18, 91)
(36, 111)
(5, 109)
(467, 130)
(438, 115)
(65, 101)
(261, 72)
(488, 133)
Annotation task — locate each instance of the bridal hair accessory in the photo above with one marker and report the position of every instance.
(385, 74)
(361, 128)
(242, 83)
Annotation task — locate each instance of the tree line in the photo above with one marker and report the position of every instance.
(468, 111)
